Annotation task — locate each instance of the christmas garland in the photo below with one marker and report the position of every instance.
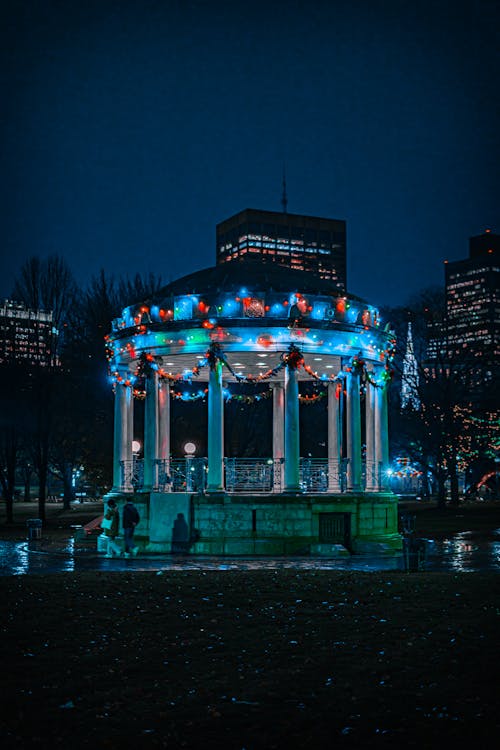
(293, 359)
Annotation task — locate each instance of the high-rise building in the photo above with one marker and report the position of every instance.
(303, 243)
(473, 300)
(472, 323)
(26, 336)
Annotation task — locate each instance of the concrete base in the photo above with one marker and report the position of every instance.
(326, 525)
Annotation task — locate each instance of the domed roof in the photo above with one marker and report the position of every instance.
(232, 276)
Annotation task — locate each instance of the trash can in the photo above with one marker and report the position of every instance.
(34, 528)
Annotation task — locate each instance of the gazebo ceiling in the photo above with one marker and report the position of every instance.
(249, 363)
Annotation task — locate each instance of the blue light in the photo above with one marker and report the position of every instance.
(319, 310)
(183, 308)
(277, 310)
(352, 314)
(230, 307)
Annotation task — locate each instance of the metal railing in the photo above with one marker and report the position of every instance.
(372, 475)
(132, 474)
(323, 475)
(252, 475)
(181, 474)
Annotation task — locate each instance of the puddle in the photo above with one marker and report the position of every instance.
(464, 552)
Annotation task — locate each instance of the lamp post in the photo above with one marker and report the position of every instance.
(189, 452)
(136, 478)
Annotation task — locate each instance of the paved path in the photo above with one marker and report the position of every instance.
(464, 552)
(34, 557)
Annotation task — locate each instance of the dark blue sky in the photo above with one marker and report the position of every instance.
(129, 129)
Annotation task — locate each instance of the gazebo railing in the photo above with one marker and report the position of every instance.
(252, 475)
(323, 475)
(132, 474)
(181, 474)
(314, 474)
(372, 477)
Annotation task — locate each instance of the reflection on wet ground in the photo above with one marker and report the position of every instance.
(464, 552)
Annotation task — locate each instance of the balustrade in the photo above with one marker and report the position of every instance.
(252, 475)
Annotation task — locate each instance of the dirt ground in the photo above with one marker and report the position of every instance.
(250, 659)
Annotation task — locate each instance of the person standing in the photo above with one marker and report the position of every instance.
(111, 529)
(130, 519)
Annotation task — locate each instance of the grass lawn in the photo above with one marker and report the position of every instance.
(434, 522)
(57, 524)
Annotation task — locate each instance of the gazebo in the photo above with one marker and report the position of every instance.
(238, 324)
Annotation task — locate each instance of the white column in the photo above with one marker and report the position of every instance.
(164, 425)
(381, 436)
(150, 430)
(292, 443)
(334, 436)
(278, 420)
(215, 430)
(371, 467)
(122, 442)
(278, 434)
(353, 425)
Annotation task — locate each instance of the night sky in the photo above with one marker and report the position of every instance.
(130, 129)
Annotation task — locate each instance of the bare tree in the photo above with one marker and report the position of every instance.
(48, 285)
(138, 289)
(28, 285)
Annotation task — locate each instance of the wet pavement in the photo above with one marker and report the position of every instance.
(464, 552)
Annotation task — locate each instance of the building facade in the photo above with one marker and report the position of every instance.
(26, 336)
(473, 298)
(301, 243)
(473, 309)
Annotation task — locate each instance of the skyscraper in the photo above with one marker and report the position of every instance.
(473, 299)
(304, 243)
(26, 336)
(473, 313)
